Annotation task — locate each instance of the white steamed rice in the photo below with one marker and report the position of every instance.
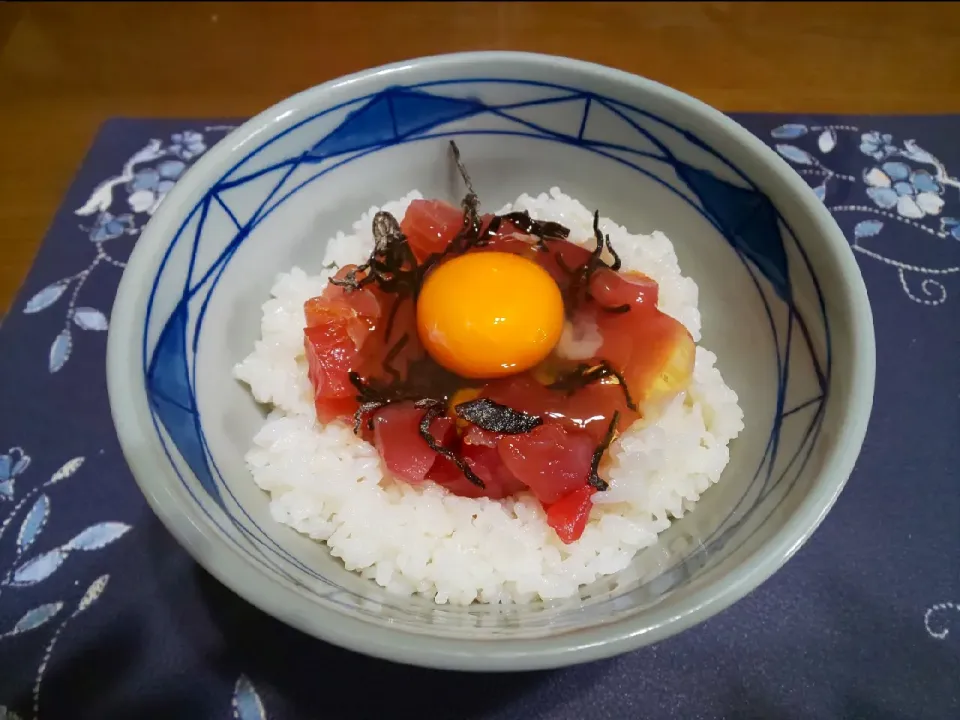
(330, 485)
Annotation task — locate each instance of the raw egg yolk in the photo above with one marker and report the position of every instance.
(489, 314)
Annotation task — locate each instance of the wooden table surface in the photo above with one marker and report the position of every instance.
(67, 67)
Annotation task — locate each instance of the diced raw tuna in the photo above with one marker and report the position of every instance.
(589, 409)
(396, 435)
(430, 225)
(487, 463)
(331, 354)
(613, 289)
(488, 466)
(473, 435)
(561, 257)
(334, 408)
(551, 460)
(515, 243)
(653, 352)
(339, 324)
(568, 516)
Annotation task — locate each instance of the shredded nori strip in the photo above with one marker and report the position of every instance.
(473, 235)
(370, 400)
(542, 230)
(392, 264)
(367, 407)
(435, 409)
(425, 379)
(585, 374)
(373, 394)
(470, 203)
(365, 392)
(593, 478)
(615, 266)
(494, 417)
(579, 288)
(462, 169)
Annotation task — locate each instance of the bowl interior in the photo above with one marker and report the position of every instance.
(775, 296)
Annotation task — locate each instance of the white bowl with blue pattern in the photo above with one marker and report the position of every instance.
(783, 306)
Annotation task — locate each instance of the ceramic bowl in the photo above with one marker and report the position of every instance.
(783, 304)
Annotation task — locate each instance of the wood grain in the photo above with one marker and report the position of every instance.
(66, 67)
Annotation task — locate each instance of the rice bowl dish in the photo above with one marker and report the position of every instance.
(330, 484)
(766, 257)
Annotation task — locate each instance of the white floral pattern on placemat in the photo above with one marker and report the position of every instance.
(934, 619)
(905, 184)
(117, 208)
(246, 702)
(30, 514)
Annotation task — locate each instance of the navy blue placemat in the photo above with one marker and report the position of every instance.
(103, 616)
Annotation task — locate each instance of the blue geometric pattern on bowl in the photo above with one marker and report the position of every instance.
(741, 213)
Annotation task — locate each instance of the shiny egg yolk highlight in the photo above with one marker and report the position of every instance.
(489, 314)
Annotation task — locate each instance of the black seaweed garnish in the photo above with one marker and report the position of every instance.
(425, 380)
(365, 409)
(466, 177)
(579, 288)
(374, 394)
(542, 230)
(470, 203)
(494, 417)
(471, 232)
(616, 264)
(392, 264)
(593, 478)
(473, 235)
(435, 409)
(371, 399)
(585, 374)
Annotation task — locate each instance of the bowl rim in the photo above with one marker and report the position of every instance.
(207, 546)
